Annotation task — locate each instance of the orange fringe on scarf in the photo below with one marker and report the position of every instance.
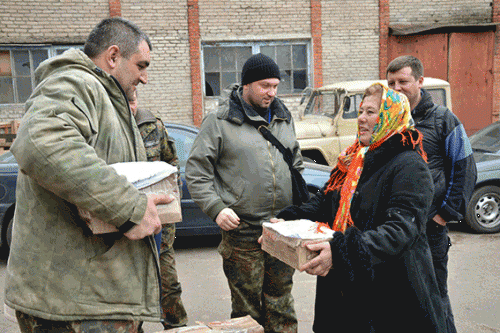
(352, 162)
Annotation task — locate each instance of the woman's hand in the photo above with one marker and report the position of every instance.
(321, 264)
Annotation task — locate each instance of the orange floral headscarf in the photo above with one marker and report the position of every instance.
(394, 117)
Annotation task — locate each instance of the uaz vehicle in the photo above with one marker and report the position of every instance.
(194, 223)
(327, 118)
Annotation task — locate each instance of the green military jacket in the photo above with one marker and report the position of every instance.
(232, 165)
(77, 122)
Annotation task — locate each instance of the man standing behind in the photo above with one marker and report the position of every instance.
(159, 147)
(450, 160)
(240, 180)
(61, 277)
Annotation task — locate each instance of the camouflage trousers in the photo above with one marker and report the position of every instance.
(261, 285)
(173, 312)
(31, 324)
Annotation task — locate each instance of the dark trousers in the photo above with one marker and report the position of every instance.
(440, 243)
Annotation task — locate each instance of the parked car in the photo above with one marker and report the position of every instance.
(483, 210)
(194, 223)
(326, 123)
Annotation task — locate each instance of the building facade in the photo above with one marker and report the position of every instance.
(199, 46)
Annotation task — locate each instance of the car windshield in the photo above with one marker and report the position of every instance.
(7, 158)
(183, 143)
(324, 104)
(487, 140)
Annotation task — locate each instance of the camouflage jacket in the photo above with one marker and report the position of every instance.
(159, 146)
(77, 121)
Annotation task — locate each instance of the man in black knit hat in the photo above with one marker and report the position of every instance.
(240, 180)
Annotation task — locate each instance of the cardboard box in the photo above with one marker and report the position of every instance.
(236, 325)
(290, 249)
(149, 178)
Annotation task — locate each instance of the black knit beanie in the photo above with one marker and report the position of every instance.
(259, 67)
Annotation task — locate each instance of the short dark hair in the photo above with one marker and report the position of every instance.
(115, 31)
(417, 68)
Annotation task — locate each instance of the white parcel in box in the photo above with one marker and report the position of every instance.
(149, 178)
(284, 240)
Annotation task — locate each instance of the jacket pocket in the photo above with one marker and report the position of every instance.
(114, 277)
(232, 195)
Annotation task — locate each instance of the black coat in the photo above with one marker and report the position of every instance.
(450, 158)
(382, 279)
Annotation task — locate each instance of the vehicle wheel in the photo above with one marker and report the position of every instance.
(483, 210)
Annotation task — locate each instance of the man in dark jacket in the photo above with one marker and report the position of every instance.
(450, 161)
(159, 147)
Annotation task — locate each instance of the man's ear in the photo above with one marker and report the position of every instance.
(421, 82)
(112, 56)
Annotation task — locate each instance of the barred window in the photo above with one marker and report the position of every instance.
(223, 63)
(17, 70)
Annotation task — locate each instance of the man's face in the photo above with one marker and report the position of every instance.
(130, 72)
(260, 94)
(133, 103)
(403, 81)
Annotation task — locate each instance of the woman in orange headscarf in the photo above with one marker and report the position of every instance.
(376, 274)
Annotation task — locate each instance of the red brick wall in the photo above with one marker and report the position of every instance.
(316, 41)
(496, 62)
(194, 53)
(115, 8)
(384, 19)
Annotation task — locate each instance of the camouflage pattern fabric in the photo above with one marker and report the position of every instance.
(31, 324)
(261, 285)
(174, 314)
(160, 148)
(157, 143)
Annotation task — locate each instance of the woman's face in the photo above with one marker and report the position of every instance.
(368, 118)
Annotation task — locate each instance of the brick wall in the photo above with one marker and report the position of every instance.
(253, 20)
(49, 21)
(168, 92)
(350, 40)
(350, 35)
(11, 112)
(440, 12)
(230, 20)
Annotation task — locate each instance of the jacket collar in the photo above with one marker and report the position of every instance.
(240, 111)
(378, 157)
(144, 116)
(424, 106)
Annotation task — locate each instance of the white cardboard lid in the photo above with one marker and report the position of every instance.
(302, 229)
(144, 174)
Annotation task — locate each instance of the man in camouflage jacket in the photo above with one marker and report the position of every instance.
(159, 147)
(61, 277)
